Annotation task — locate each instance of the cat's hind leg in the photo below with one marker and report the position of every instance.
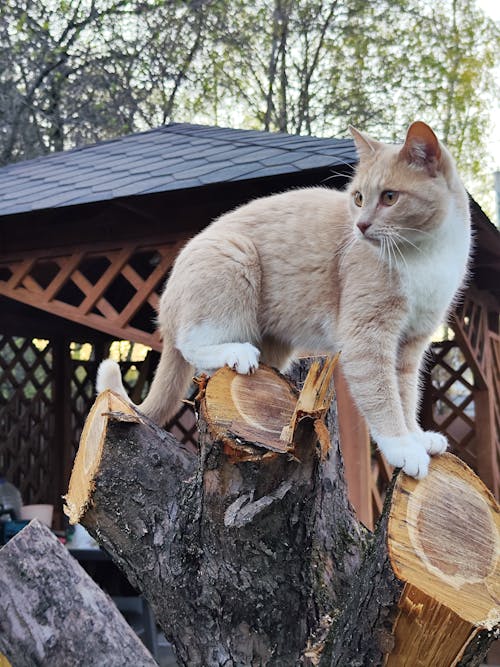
(216, 309)
(202, 346)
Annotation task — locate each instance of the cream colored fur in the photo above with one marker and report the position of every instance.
(322, 270)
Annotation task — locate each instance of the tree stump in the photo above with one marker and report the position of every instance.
(249, 552)
(52, 613)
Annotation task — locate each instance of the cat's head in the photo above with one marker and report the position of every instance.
(403, 191)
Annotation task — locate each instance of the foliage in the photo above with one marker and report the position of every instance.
(73, 72)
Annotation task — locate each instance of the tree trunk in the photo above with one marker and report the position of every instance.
(249, 551)
(52, 613)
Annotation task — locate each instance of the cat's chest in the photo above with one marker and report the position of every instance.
(430, 283)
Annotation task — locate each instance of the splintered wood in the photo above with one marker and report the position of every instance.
(315, 396)
(256, 416)
(107, 406)
(443, 541)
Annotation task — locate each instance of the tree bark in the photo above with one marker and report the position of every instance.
(249, 551)
(52, 613)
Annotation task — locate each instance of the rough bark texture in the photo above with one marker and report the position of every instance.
(245, 562)
(476, 652)
(52, 613)
(237, 559)
(362, 632)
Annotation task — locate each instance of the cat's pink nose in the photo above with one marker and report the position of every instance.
(362, 225)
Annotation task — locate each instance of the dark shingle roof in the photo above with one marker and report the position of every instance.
(171, 157)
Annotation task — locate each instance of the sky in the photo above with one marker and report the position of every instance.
(492, 8)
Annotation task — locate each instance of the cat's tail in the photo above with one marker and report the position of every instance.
(169, 385)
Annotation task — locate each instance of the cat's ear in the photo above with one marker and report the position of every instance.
(365, 145)
(421, 147)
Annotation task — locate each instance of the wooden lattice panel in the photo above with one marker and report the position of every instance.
(82, 393)
(475, 325)
(470, 324)
(183, 425)
(453, 410)
(27, 415)
(114, 290)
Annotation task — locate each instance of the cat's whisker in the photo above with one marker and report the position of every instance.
(396, 247)
(335, 174)
(345, 248)
(382, 254)
(392, 254)
(414, 229)
(399, 237)
(385, 251)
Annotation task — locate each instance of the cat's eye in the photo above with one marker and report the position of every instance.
(358, 198)
(389, 197)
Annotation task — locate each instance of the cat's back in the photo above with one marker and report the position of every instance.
(286, 211)
(282, 234)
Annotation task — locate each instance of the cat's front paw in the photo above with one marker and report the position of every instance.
(406, 452)
(434, 443)
(242, 358)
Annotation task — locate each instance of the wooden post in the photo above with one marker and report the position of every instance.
(487, 463)
(61, 459)
(356, 451)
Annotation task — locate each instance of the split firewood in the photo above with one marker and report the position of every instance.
(444, 544)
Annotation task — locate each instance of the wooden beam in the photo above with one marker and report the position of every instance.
(67, 265)
(118, 261)
(146, 287)
(91, 320)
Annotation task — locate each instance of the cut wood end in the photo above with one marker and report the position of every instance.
(444, 539)
(108, 405)
(242, 411)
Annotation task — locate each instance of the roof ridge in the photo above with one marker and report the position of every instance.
(249, 131)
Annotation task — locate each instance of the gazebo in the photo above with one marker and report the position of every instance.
(88, 237)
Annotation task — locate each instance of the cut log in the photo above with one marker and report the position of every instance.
(434, 564)
(233, 548)
(52, 613)
(444, 543)
(247, 413)
(107, 406)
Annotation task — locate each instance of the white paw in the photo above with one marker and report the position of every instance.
(242, 357)
(406, 452)
(434, 443)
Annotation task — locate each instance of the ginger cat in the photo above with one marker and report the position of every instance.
(370, 271)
